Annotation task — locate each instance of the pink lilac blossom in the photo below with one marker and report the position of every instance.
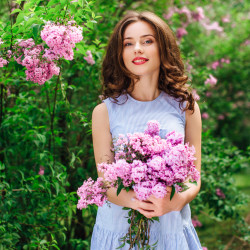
(170, 13)
(61, 39)
(41, 170)
(92, 193)
(3, 62)
(198, 14)
(188, 67)
(196, 222)
(221, 117)
(213, 26)
(8, 91)
(204, 248)
(247, 42)
(181, 32)
(215, 65)
(89, 58)
(39, 70)
(225, 60)
(211, 80)
(146, 163)
(153, 128)
(205, 115)
(208, 94)
(195, 95)
(226, 19)
(187, 12)
(220, 194)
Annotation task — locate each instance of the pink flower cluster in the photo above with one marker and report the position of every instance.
(92, 192)
(89, 58)
(2, 61)
(148, 164)
(211, 80)
(41, 170)
(195, 95)
(192, 16)
(41, 63)
(219, 63)
(220, 194)
(61, 40)
(196, 222)
(39, 70)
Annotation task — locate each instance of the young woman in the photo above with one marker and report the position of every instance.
(143, 79)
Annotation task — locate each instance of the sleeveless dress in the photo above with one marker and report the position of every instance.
(174, 231)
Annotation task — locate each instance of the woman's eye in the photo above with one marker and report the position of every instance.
(148, 41)
(127, 44)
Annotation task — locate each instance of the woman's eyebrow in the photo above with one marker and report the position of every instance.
(140, 36)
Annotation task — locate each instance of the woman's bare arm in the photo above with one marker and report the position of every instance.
(102, 142)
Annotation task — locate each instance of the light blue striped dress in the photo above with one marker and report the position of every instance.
(175, 230)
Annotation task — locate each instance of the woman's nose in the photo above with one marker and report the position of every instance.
(138, 48)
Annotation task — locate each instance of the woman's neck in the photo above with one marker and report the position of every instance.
(146, 88)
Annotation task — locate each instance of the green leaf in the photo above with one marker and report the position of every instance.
(52, 2)
(35, 30)
(15, 11)
(121, 246)
(80, 2)
(63, 2)
(156, 218)
(172, 192)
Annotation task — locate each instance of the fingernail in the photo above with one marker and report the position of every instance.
(132, 199)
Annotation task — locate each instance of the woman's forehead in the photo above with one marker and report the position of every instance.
(138, 29)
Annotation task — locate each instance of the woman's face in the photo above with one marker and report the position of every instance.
(140, 49)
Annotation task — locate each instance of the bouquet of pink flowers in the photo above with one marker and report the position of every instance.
(147, 164)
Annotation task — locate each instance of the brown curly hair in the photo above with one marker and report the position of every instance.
(117, 80)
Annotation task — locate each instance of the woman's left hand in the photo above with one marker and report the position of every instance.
(161, 206)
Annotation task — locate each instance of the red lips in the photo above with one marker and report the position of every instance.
(139, 60)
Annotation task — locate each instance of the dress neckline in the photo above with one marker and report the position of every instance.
(157, 98)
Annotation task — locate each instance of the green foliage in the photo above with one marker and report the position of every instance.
(49, 126)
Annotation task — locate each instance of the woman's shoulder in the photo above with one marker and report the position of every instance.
(100, 112)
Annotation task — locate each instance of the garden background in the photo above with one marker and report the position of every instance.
(45, 122)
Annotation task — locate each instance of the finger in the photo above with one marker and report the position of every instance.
(147, 214)
(146, 205)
